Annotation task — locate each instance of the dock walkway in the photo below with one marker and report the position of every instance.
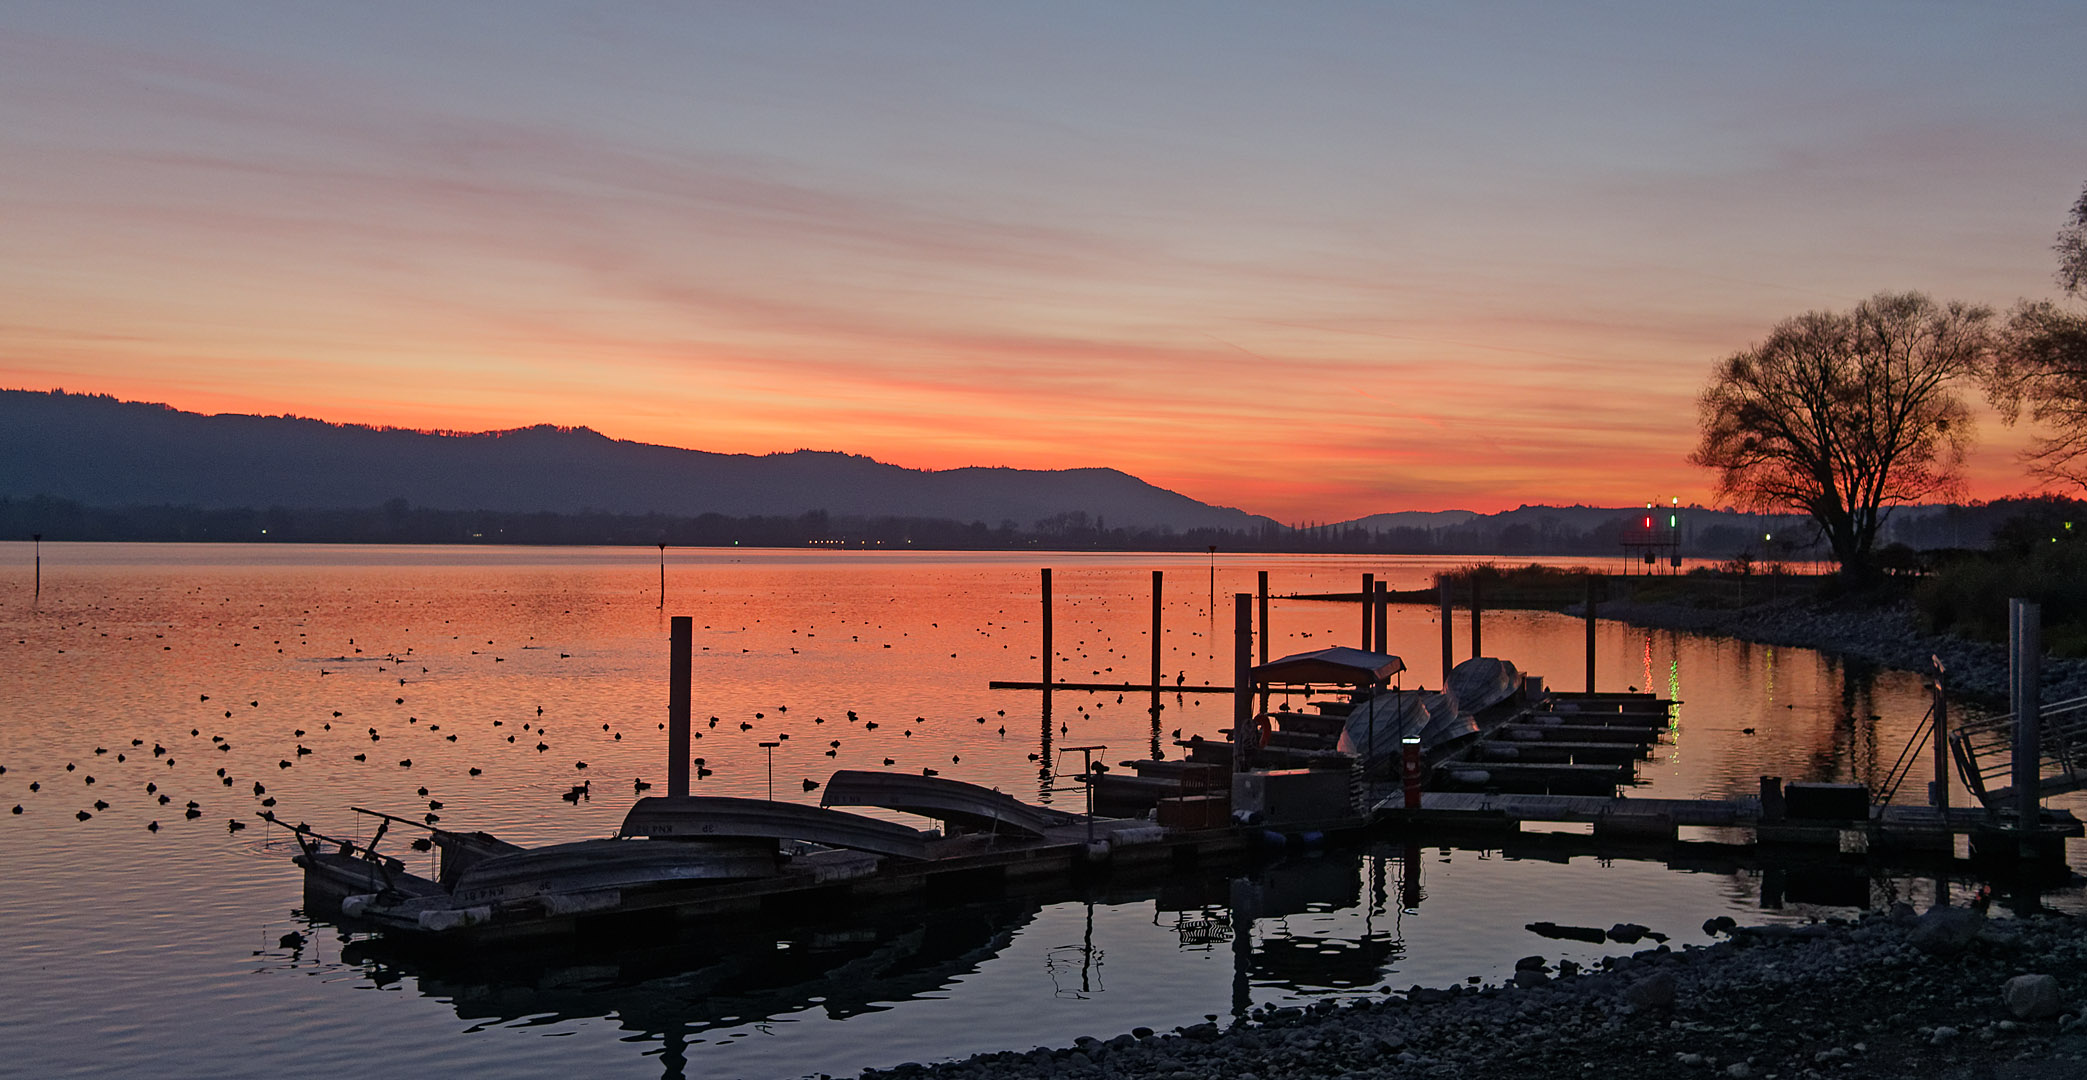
(1890, 825)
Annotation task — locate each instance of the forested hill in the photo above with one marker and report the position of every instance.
(98, 451)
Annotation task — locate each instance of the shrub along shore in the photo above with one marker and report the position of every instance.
(1947, 994)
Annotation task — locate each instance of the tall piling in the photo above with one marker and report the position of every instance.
(1591, 602)
(1939, 797)
(1382, 643)
(1047, 628)
(1261, 617)
(681, 639)
(1369, 591)
(1242, 677)
(1478, 605)
(1158, 577)
(1449, 659)
(1261, 590)
(2025, 656)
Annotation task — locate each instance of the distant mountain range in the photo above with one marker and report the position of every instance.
(99, 451)
(94, 452)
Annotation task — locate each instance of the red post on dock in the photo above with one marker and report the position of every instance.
(1047, 626)
(1369, 590)
(1409, 770)
(681, 638)
(1382, 606)
(1242, 677)
(1449, 659)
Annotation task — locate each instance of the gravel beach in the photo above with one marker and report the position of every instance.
(1883, 635)
(1946, 994)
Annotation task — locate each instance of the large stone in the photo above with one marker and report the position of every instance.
(1624, 933)
(1655, 991)
(2033, 997)
(1946, 931)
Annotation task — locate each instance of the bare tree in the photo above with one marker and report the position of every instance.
(2041, 366)
(1841, 416)
(2072, 249)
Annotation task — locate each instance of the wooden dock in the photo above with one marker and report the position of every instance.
(1888, 826)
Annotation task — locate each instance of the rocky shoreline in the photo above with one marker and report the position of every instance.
(1883, 635)
(1949, 994)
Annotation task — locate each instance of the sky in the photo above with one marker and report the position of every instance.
(1314, 261)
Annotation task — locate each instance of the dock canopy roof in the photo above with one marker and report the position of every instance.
(1336, 665)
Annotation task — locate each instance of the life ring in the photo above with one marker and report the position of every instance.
(1263, 727)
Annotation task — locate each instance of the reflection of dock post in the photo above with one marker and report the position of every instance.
(1590, 634)
(1448, 648)
(2025, 648)
(1242, 676)
(1409, 878)
(680, 658)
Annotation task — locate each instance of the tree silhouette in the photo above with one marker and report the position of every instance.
(1840, 416)
(2041, 365)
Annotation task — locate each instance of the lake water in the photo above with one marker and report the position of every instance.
(135, 952)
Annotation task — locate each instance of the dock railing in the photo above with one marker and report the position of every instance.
(1984, 752)
(1908, 759)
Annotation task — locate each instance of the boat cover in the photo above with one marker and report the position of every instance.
(1338, 665)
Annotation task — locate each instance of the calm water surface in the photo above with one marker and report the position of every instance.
(137, 952)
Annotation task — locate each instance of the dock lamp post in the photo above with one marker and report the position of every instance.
(1410, 769)
(770, 748)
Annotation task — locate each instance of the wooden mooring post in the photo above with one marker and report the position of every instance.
(1047, 626)
(1382, 606)
(1158, 577)
(1369, 591)
(1477, 615)
(1261, 616)
(680, 660)
(1939, 797)
(1242, 677)
(2025, 655)
(1590, 634)
(1448, 646)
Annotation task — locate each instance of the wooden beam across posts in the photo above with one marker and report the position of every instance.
(1047, 626)
(1369, 588)
(1590, 633)
(1242, 678)
(1448, 647)
(680, 660)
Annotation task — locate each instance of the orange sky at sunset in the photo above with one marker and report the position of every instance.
(1314, 263)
